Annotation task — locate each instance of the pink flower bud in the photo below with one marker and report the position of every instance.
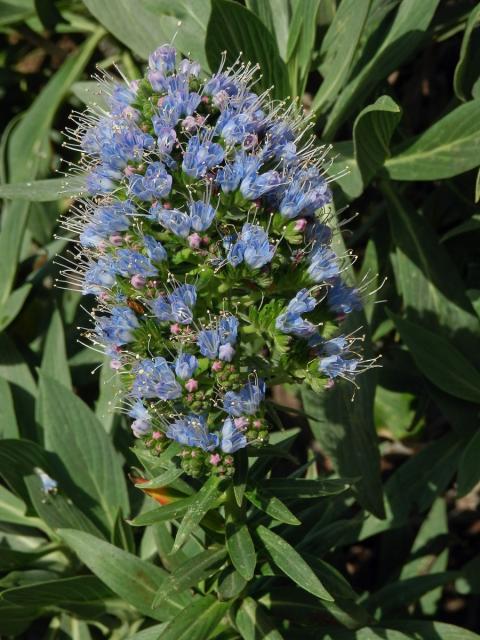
(191, 385)
(128, 171)
(115, 364)
(116, 240)
(189, 123)
(205, 240)
(241, 423)
(257, 424)
(156, 435)
(167, 205)
(226, 352)
(194, 241)
(300, 224)
(217, 365)
(215, 459)
(137, 282)
(175, 329)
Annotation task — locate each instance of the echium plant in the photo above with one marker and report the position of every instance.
(205, 240)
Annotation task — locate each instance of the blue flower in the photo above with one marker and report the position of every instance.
(228, 329)
(335, 366)
(99, 276)
(166, 136)
(208, 342)
(232, 439)
(323, 264)
(226, 352)
(246, 401)
(343, 299)
(255, 185)
(162, 59)
(303, 302)
(291, 322)
(335, 346)
(185, 366)
(175, 221)
(156, 183)
(201, 215)
(177, 307)
(257, 251)
(200, 156)
(192, 431)
(118, 328)
(155, 250)
(155, 379)
(130, 263)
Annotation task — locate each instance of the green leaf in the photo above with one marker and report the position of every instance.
(152, 633)
(58, 510)
(163, 514)
(170, 474)
(147, 24)
(253, 622)
(418, 629)
(74, 433)
(44, 190)
(84, 595)
(197, 508)
(275, 16)
(122, 534)
(14, 304)
(440, 361)
(291, 563)
(468, 469)
(426, 546)
(427, 279)
(399, 594)
(238, 540)
(338, 49)
(405, 34)
(190, 573)
(240, 476)
(301, 42)
(273, 506)
(8, 419)
(197, 621)
(467, 69)
(26, 155)
(234, 29)
(299, 488)
(444, 150)
(472, 224)
(12, 509)
(129, 577)
(54, 360)
(372, 132)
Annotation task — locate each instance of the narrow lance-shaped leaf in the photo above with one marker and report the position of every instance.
(467, 74)
(444, 150)
(439, 361)
(338, 49)
(74, 433)
(405, 34)
(372, 131)
(129, 577)
(190, 573)
(291, 563)
(234, 29)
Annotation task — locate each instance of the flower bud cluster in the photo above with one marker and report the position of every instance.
(205, 239)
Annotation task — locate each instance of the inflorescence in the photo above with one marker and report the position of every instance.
(205, 240)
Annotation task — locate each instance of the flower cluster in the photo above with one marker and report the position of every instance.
(205, 239)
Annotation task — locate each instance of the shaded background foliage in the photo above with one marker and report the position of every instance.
(393, 86)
